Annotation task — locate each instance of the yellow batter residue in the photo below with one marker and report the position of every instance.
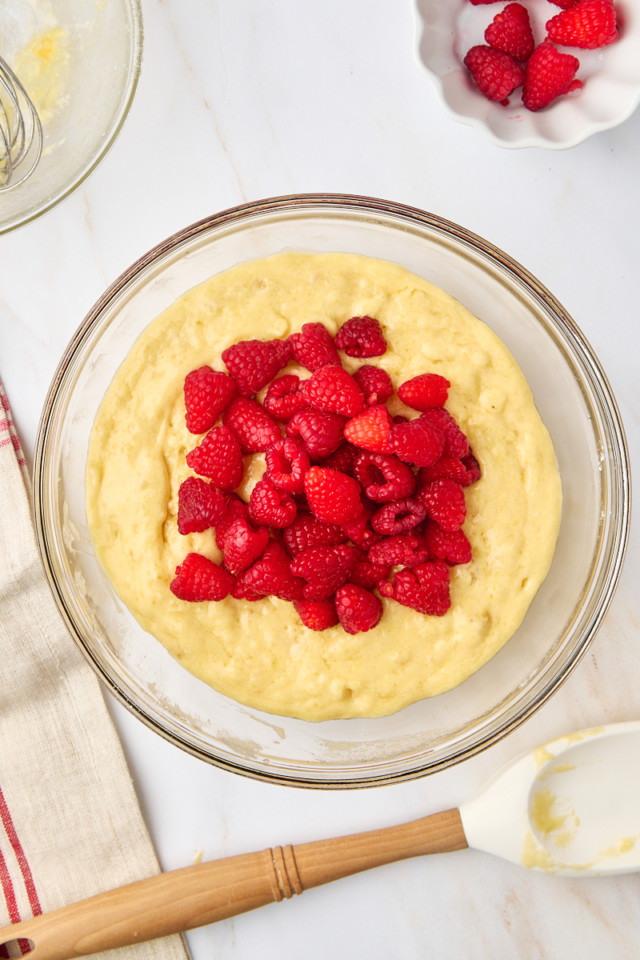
(552, 820)
(259, 653)
(622, 846)
(43, 68)
(535, 857)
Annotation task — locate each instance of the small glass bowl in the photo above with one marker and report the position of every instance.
(104, 41)
(611, 76)
(575, 402)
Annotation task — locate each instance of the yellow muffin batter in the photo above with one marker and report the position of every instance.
(259, 653)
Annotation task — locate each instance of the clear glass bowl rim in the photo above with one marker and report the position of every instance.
(600, 395)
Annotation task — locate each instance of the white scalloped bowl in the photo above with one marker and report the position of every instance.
(611, 76)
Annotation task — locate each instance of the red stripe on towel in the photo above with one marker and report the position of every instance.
(8, 891)
(12, 906)
(11, 439)
(7, 425)
(16, 846)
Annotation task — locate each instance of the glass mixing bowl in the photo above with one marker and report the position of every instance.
(82, 62)
(572, 395)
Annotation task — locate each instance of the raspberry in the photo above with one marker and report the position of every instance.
(206, 393)
(449, 545)
(243, 544)
(287, 461)
(417, 442)
(375, 383)
(333, 496)
(306, 531)
(495, 73)
(510, 31)
(383, 477)
(200, 505)
(244, 591)
(404, 549)
(473, 470)
(359, 529)
(270, 506)
(425, 391)
(358, 609)
(434, 579)
(313, 347)
(218, 456)
(367, 574)
(465, 471)
(339, 422)
(317, 614)
(252, 425)
(444, 502)
(198, 579)
(361, 337)
(549, 75)
(333, 390)
(424, 588)
(455, 442)
(342, 459)
(235, 509)
(370, 430)
(253, 363)
(565, 4)
(588, 24)
(269, 576)
(398, 517)
(284, 397)
(324, 569)
(321, 432)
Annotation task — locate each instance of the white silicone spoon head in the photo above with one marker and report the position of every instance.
(570, 807)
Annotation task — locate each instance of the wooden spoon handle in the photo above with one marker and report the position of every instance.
(193, 896)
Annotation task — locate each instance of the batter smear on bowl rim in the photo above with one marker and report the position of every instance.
(324, 486)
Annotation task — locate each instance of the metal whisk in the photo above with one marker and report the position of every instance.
(20, 130)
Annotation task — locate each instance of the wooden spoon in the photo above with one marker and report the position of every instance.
(201, 894)
(514, 817)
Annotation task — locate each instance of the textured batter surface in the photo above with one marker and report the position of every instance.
(259, 653)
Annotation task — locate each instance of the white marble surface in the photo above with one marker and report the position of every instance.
(239, 101)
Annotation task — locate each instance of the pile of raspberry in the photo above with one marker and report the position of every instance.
(510, 58)
(354, 503)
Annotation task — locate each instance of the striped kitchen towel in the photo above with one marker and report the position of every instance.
(70, 823)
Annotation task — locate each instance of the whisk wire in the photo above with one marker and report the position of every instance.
(20, 130)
